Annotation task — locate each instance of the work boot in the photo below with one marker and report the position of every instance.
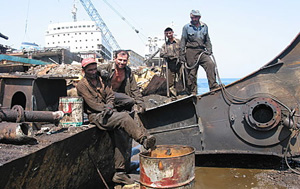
(216, 86)
(149, 142)
(122, 178)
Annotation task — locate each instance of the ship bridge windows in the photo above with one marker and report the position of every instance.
(84, 26)
(71, 27)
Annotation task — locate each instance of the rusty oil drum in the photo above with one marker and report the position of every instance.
(168, 166)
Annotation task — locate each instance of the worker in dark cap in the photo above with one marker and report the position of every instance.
(170, 52)
(99, 99)
(195, 50)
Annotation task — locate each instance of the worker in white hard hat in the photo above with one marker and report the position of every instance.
(195, 50)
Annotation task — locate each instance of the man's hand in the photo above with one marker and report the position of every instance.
(108, 110)
(141, 108)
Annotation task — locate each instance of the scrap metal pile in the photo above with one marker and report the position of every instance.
(143, 74)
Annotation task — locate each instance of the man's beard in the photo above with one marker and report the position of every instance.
(194, 22)
(93, 76)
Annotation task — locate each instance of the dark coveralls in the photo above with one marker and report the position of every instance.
(170, 51)
(96, 98)
(194, 41)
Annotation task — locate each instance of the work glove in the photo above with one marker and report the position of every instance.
(208, 53)
(104, 74)
(141, 108)
(108, 110)
(182, 59)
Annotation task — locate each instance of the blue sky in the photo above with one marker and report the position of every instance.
(245, 34)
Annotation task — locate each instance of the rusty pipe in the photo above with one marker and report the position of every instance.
(17, 114)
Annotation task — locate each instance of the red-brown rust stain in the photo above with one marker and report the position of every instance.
(143, 177)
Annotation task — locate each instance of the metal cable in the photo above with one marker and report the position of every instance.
(226, 94)
(196, 63)
(98, 171)
(230, 97)
(285, 153)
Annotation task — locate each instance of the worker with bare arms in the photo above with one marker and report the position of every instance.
(99, 105)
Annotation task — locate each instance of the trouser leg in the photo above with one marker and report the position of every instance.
(120, 120)
(191, 59)
(171, 78)
(123, 102)
(123, 145)
(209, 67)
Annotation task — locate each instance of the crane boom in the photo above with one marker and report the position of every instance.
(94, 15)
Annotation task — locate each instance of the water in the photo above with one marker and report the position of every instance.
(203, 84)
(231, 178)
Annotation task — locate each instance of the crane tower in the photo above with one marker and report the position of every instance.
(94, 15)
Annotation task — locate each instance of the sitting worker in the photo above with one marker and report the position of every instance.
(123, 82)
(170, 52)
(99, 106)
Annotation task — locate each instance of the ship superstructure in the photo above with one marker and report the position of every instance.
(80, 37)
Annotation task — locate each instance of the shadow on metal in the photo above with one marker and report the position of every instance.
(257, 114)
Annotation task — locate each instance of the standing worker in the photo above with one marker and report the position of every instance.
(170, 52)
(99, 99)
(195, 49)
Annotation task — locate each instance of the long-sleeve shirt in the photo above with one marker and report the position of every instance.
(128, 86)
(170, 50)
(95, 97)
(195, 37)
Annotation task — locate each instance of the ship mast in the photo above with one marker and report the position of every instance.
(74, 11)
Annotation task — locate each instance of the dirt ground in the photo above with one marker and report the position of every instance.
(279, 179)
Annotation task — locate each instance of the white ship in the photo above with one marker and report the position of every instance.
(79, 37)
